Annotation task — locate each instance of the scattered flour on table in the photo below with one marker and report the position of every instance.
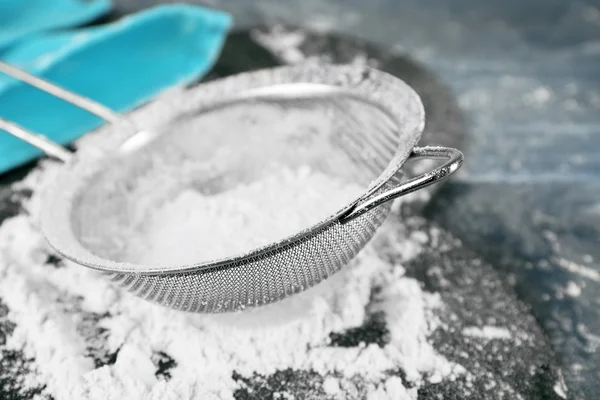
(572, 289)
(487, 332)
(331, 386)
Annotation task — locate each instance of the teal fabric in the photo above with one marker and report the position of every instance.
(121, 65)
(20, 18)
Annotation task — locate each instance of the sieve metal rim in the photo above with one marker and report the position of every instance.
(381, 89)
(370, 85)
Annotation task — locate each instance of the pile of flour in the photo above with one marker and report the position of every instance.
(194, 227)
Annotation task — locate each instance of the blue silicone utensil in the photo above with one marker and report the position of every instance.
(121, 65)
(21, 18)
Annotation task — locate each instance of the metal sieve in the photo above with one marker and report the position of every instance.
(352, 122)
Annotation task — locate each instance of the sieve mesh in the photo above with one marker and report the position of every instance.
(263, 279)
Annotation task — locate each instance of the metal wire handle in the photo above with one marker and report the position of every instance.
(49, 147)
(455, 160)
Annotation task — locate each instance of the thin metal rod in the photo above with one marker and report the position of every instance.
(82, 102)
(50, 148)
(455, 160)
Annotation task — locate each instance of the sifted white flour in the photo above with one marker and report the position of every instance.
(52, 308)
(195, 227)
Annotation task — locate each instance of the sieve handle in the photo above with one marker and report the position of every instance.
(455, 160)
(46, 145)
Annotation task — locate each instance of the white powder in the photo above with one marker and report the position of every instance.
(50, 304)
(487, 332)
(281, 42)
(195, 227)
(572, 289)
(560, 388)
(331, 386)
